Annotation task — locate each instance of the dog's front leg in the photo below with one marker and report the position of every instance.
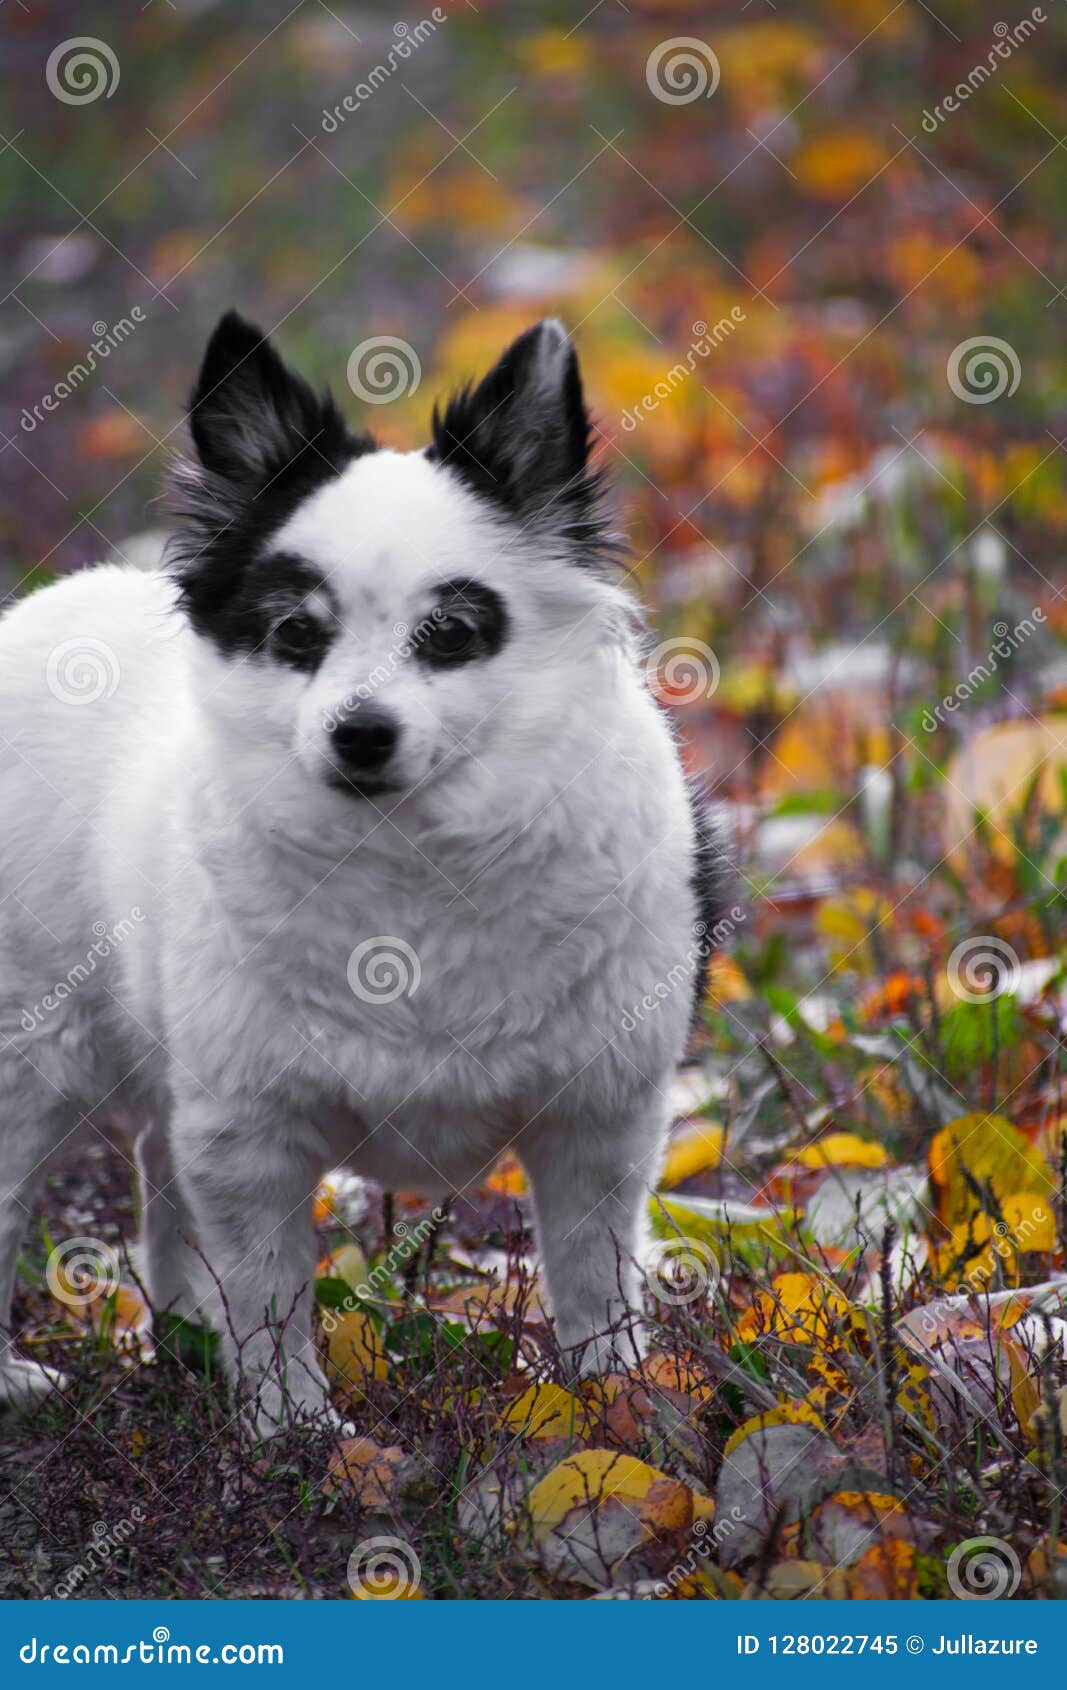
(249, 1179)
(171, 1271)
(590, 1180)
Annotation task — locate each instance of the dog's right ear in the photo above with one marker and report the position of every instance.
(263, 442)
(251, 417)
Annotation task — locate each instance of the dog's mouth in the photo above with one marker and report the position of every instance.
(367, 787)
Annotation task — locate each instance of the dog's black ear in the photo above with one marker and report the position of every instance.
(251, 416)
(264, 441)
(522, 436)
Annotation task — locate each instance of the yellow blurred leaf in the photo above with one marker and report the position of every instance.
(746, 687)
(347, 1263)
(825, 744)
(546, 1411)
(557, 52)
(354, 1355)
(839, 163)
(993, 773)
(726, 982)
(1025, 1395)
(508, 1177)
(597, 1474)
(995, 1155)
(797, 1412)
(842, 1150)
(799, 1308)
(765, 63)
(392, 1587)
(696, 1148)
(846, 923)
(1030, 1221)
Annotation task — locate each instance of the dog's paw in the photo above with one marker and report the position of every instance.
(274, 1412)
(24, 1384)
(606, 1352)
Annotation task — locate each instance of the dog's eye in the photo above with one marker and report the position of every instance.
(450, 637)
(299, 637)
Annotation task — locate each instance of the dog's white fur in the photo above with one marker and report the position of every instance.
(537, 862)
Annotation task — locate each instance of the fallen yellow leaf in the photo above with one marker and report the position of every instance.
(842, 1150)
(547, 1411)
(995, 1155)
(695, 1149)
(799, 1308)
(354, 1355)
(993, 775)
(794, 1413)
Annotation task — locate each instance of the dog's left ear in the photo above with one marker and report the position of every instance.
(522, 436)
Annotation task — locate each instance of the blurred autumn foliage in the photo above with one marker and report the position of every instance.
(818, 309)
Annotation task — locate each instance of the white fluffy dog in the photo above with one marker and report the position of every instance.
(385, 836)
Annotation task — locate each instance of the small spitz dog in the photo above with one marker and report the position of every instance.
(381, 834)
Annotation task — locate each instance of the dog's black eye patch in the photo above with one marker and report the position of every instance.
(282, 608)
(467, 622)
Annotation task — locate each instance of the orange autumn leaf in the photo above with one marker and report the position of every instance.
(894, 996)
(508, 1177)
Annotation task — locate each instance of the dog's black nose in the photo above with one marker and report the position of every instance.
(365, 740)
